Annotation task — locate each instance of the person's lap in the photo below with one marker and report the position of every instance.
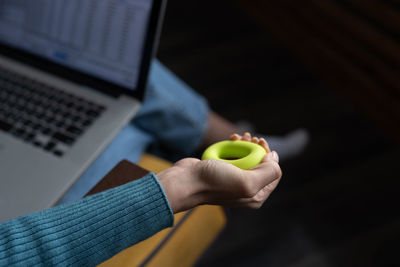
(171, 121)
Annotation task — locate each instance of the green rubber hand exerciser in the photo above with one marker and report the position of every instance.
(242, 154)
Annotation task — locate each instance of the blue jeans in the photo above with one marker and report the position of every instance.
(171, 123)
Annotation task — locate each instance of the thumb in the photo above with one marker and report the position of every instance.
(271, 156)
(267, 171)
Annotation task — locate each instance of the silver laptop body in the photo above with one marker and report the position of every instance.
(89, 60)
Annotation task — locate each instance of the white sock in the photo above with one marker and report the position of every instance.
(290, 145)
(287, 146)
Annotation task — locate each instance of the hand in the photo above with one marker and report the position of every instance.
(191, 182)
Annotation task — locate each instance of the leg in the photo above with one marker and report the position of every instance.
(129, 144)
(218, 129)
(181, 122)
(175, 115)
(174, 121)
(162, 122)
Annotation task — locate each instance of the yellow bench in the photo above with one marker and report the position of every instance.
(180, 245)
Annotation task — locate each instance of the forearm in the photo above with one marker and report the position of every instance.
(87, 232)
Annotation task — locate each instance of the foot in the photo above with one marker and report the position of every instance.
(290, 145)
(287, 146)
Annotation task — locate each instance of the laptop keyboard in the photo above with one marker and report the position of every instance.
(44, 116)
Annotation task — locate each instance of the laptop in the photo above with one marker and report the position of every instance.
(72, 75)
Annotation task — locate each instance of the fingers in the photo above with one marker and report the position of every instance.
(268, 170)
(234, 137)
(248, 183)
(254, 202)
(247, 137)
(264, 144)
(258, 183)
(262, 175)
(259, 198)
(255, 140)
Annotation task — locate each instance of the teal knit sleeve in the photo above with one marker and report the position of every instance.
(89, 231)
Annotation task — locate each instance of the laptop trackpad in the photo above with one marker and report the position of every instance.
(30, 183)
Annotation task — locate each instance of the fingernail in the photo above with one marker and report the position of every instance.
(273, 156)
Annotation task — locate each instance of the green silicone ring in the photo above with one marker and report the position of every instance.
(242, 154)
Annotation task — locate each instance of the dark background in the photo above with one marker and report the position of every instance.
(337, 204)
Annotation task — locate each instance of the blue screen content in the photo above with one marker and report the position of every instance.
(102, 38)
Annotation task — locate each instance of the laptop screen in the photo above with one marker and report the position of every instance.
(102, 38)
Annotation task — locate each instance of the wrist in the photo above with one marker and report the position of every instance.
(181, 187)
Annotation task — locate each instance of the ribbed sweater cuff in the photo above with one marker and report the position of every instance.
(88, 231)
